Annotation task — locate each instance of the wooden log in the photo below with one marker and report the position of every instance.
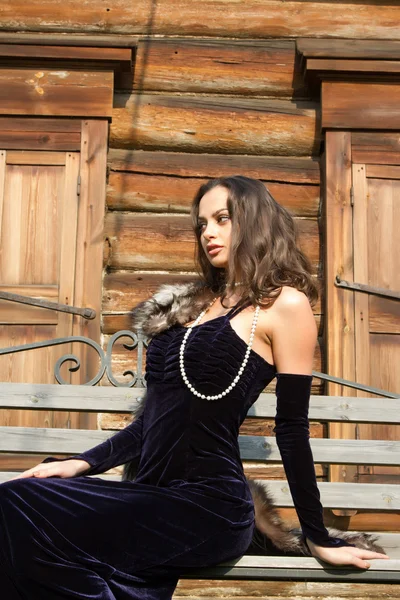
(122, 290)
(217, 125)
(267, 168)
(253, 18)
(264, 68)
(159, 193)
(166, 242)
(55, 93)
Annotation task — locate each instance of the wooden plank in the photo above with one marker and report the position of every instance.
(260, 448)
(361, 496)
(267, 168)
(21, 314)
(360, 265)
(341, 66)
(159, 193)
(360, 105)
(382, 172)
(384, 315)
(265, 67)
(56, 93)
(32, 157)
(246, 589)
(68, 39)
(349, 48)
(369, 147)
(3, 155)
(259, 19)
(39, 140)
(116, 400)
(166, 242)
(38, 124)
(339, 261)
(89, 258)
(67, 237)
(87, 54)
(205, 124)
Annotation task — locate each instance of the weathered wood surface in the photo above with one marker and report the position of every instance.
(254, 18)
(159, 193)
(251, 567)
(383, 171)
(40, 125)
(72, 441)
(166, 242)
(59, 53)
(362, 496)
(55, 93)
(349, 48)
(381, 149)
(264, 68)
(286, 169)
(384, 315)
(123, 290)
(68, 39)
(31, 140)
(212, 124)
(360, 105)
(194, 589)
(116, 400)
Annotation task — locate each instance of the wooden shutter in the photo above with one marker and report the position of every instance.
(363, 330)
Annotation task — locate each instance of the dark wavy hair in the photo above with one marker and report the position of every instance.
(264, 252)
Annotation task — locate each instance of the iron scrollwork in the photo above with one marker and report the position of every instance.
(137, 341)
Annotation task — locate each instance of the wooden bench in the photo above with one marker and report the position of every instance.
(370, 497)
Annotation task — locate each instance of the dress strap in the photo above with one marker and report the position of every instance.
(235, 310)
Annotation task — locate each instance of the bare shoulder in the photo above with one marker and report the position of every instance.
(292, 301)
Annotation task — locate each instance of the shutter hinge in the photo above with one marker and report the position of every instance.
(78, 186)
(352, 196)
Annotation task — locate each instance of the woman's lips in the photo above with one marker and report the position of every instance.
(214, 251)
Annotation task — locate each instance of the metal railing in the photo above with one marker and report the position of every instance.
(138, 342)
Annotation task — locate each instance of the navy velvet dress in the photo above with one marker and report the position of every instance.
(190, 505)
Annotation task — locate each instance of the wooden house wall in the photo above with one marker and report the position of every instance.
(216, 90)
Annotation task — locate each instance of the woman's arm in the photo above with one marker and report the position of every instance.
(119, 449)
(294, 334)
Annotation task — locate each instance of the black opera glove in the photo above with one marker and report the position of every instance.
(119, 449)
(292, 436)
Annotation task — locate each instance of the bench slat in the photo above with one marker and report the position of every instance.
(111, 400)
(302, 568)
(73, 441)
(368, 496)
(361, 496)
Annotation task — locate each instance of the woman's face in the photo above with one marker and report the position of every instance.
(215, 226)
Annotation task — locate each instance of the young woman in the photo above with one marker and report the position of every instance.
(215, 347)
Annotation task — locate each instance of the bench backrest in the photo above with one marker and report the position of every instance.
(253, 447)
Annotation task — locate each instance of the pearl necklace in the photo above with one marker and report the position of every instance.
(242, 367)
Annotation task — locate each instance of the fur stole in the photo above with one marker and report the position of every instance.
(171, 305)
(180, 304)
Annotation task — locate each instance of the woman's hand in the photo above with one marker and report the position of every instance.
(63, 469)
(345, 555)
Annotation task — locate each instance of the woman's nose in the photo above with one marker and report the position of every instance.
(209, 231)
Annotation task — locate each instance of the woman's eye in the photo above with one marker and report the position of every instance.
(223, 217)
